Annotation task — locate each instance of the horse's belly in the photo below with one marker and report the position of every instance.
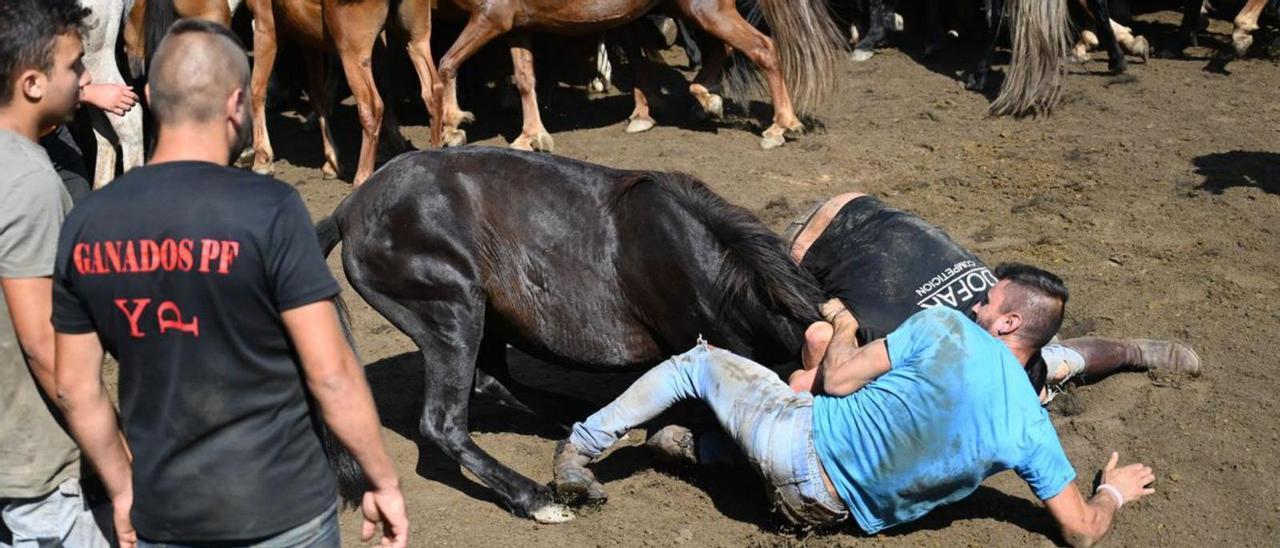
(301, 21)
(562, 17)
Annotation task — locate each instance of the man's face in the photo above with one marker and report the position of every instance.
(988, 311)
(64, 80)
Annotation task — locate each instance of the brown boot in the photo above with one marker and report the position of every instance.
(574, 483)
(673, 445)
(1103, 355)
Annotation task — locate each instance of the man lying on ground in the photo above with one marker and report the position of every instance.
(885, 264)
(902, 424)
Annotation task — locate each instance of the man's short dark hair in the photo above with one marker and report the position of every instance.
(193, 24)
(1039, 295)
(27, 32)
(193, 69)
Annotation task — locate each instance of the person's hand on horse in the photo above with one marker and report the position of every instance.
(126, 536)
(114, 98)
(386, 507)
(1131, 481)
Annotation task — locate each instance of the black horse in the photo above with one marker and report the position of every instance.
(466, 250)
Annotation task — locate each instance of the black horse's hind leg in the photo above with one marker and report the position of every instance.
(879, 17)
(1185, 36)
(1107, 37)
(448, 330)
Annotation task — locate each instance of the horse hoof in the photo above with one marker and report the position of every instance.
(455, 137)
(714, 107)
(1141, 48)
(466, 117)
(329, 171)
(854, 37)
(667, 26)
(264, 169)
(1080, 54)
(896, 24)
(640, 125)
(552, 514)
(860, 55)
(541, 142)
(1241, 40)
(772, 138)
(596, 85)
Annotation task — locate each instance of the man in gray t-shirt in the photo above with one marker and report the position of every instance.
(41, 501)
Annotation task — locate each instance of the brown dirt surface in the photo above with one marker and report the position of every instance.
(1156, 196)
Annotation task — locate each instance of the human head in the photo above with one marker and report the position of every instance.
(199, 80)
(41, 60)
(1025, 305)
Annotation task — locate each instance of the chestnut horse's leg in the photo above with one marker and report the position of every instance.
(533, 136)
(320, 101)
(640, 120)
(355, 26)
(710, 72)
(1246, 22)
(415, 17)
(478, 32)
(264, 60)
(723, 21)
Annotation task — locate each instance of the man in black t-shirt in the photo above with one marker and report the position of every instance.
(884, 264)
(208, 286)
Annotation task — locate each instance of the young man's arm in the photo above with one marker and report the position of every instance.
(30, 302)
(1085, 523)
(92, 420)
(830, 341)
(337, 381)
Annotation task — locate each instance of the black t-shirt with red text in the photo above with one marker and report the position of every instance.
(183, 270)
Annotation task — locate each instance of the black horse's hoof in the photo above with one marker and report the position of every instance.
(1118, 66)
(975, 83)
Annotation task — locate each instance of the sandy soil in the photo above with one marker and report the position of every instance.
(1156, 197)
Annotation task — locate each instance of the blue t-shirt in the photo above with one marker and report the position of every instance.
(955, 408)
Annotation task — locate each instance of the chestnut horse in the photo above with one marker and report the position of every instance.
(799, 68)
(149, 20)
(466, 250)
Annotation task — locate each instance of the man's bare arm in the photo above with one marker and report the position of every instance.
(846, 372)
(30, 302)
(834, 339)
(337, 381)
(93, 421)
(1085, 523)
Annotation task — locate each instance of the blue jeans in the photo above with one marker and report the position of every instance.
(318, 532)
(61, 518)
(772, 424)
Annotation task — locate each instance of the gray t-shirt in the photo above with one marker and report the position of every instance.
(36, 454)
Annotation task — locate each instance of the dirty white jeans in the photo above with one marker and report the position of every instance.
(772, 424)
(61, 518)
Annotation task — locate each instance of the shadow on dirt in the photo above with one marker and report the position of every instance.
(1239, 168)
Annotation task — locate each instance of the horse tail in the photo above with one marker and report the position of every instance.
(1039, 36)
(352, 483)
(156, 21)
(328, 233)
(808, 47)
(756, 270)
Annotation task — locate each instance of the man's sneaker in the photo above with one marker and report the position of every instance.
(673, 445)
(574, 483)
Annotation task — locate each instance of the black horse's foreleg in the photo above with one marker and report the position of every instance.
(977, 80)
(1107, 37)
(493, 379)
(876, 22)
(1185, 36)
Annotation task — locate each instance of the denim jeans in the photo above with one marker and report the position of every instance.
(318, 532)
(770, 423)
(61, 518)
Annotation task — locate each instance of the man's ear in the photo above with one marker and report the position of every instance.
(33, 84)
(235, 103)
(146, 93)
(1010, 323)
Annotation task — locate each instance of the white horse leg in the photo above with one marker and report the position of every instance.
(99, 43)
(604, 70)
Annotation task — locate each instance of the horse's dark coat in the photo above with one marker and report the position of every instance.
(468, 249)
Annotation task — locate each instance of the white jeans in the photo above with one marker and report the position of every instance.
(61, 518)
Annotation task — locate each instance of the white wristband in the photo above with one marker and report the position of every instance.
(1111, 490)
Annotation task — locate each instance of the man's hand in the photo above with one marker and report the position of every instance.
(1131, 480)
(125, 535)
(385, 507)
(114, 98)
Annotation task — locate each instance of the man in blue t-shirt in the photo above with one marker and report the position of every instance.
(899, 426)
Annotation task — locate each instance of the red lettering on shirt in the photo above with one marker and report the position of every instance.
(192, 327)
(113, 255)
(168, 255)
(230, 250)
(130, 257)
(209, 250)
(138, 306)
(81, 255)
(150, 256)
(185, 258)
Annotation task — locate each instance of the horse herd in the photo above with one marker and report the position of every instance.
(798, 60)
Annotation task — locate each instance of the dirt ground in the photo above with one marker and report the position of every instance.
(1155, 196)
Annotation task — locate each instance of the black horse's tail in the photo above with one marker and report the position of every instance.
(352, 483)
(757, 270)
(159, 16)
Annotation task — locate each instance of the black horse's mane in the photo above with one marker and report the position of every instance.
(757, 270)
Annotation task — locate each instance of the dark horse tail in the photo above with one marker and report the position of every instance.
(757, 271)
(351, 481)
(159, 16)
(809, 48)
